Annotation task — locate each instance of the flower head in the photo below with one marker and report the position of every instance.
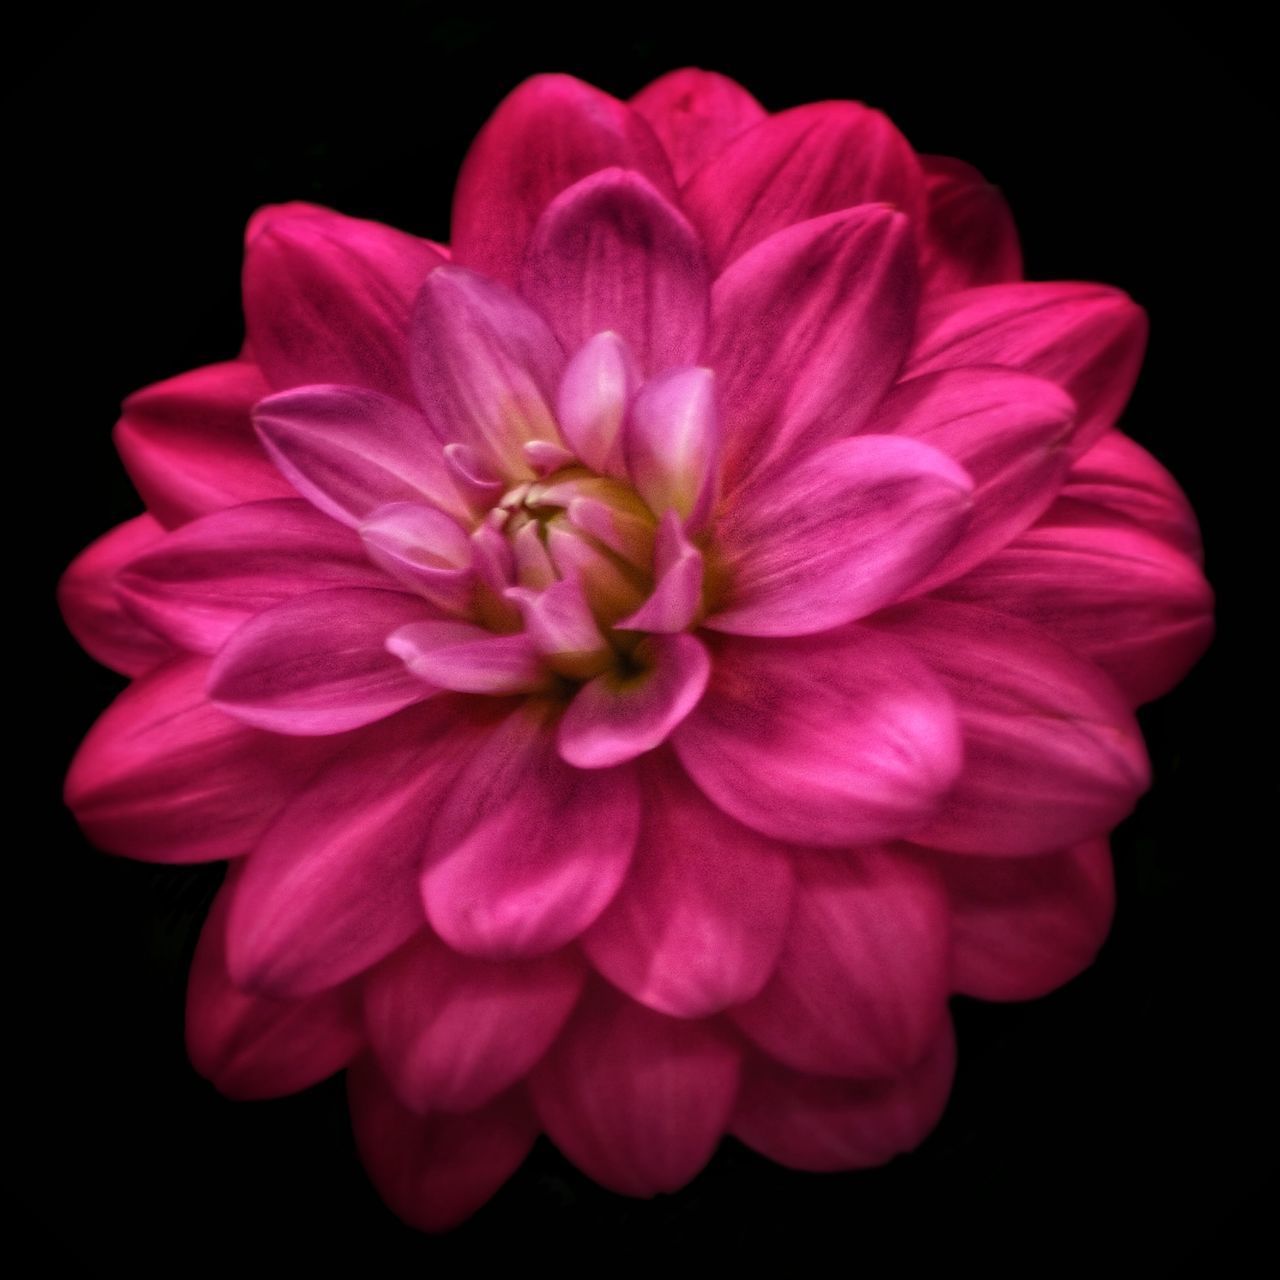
(641, 659)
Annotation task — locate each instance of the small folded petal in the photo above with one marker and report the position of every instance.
(548, 133)
(435, 1171)
(969, 234)
(327, 298)
(425, 550)
(834, 740)
(676, 598)
(634, 1099)
(827, 1126)
(478, 483)
(451, 1032)
(799, 164)
(861, 986)
(695, 928)
(469, 659)
(318, 663)
(591, 405)
(611, 254)
(1053, 755)
(849, 529)
(560, 623)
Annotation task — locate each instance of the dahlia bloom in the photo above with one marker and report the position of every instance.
(641, 659)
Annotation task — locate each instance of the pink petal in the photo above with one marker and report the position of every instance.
(693, 930)
(248, 1046)
(164, 776)
(1085, 337)
(209, 577)
(462, 656)
(546, 134)
(525, 851)
(479, 484)
(837, 739)
(825, 1126)
(808, 331)
(596, 389)
(678, 569)
(91, 607)
(188, 444)
(425, 550)
(318, 663)
(861, 986)
(636, 1100)
(969, 235)
(799, 164)
(846, 531)
(1053, 755)
(696, 114)
(452, 1033)
(562, 628)
(327, 298)
(435, 1171)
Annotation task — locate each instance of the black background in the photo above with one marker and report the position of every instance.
(1112, 1122)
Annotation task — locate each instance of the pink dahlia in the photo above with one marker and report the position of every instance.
(642, 659)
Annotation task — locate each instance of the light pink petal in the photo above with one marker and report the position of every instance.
(479, 484)
(332, 888)
(91, 607)
(546, 458)
(350, 451)
(635, 1099)
(1087, 338)
(826, 1126)
(327, 298)
(164, 776)
(469, 659)
(249, 1046)
(1053, 754)
(318, 663)
(611, 254)
(862, 983)
(188, 443)
(591, 405)
(426, 551)
(209, 577)
(525, 851)
(969, 234)
(799, 164)
(560, 623)
(616, 588)
(451, 1032)
(808, 331)
(677, 595)
(546, 134)
(848, 530)
(834, 740)
(699, 922)
(696, 114)
(435, 1171)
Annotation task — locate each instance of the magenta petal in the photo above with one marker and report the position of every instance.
(1053, 754)
(452, 1033)
(559, 622)
(969, 235)
(596, 389)
(808, 331)
(635, 1099)
(799, 164)
(836, 740)
(861, 986)
(692, 930)
(525, 852)
(188, 443)
(826, 1126)
(425, 550)
(327, 298)
(678, 570)
(435, 1171)
(462, 656)
(546, 134)
(318, 663)
(249, 1046)
(846, 531)
(164, 776)
(209, 577)
(90, 604)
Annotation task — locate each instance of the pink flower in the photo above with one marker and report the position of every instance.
(643, 659)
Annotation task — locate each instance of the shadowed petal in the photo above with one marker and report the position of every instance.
(678, 572)
(969, 235)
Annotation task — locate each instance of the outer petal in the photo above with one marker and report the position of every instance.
(166, 777)
(861, 986)
(548, 133)
(835, 740)
(188, 444)
(695, 927)
(435, 1171)
(636, 1100)
(452, 1033)
(1053, 755)
(969, 237)
(327, 298)
(91, 607)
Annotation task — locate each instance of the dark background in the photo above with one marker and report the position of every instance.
(1113, 1122)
